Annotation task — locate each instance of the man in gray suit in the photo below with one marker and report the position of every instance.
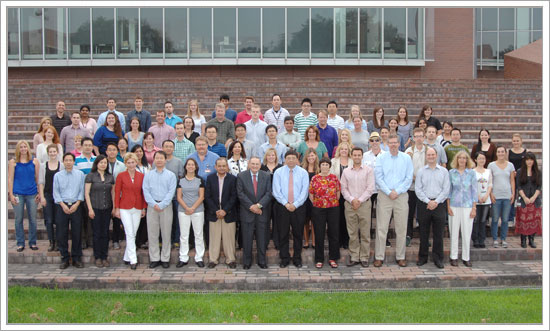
(254, 191)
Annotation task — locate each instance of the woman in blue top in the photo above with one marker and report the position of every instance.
(22, 190)
(110, 131)
(461, 205)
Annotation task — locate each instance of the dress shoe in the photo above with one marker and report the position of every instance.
(388, 244)
(298, 264)
(365, 264)
(79, 264)
(262, 266)
(402, 263)
(352, 263)
(211, 265)
(116, 245)
(153, 265)
(98, 263)
(52, 246)
(232, 265)
(439, 264)
(165, 265)
(20, 249)
(467, 263)
(127, 262)
(181, 264)
(84, 245)
(246, 266)
(454, 263)
(377, 263)
(200, 264)
(64, 265)
(106, 263)
(283, 264)
(482, 245)
(476, 246)
(421, 262)
(133, 266)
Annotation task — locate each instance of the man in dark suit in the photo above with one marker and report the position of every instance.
(254, 191)
(221, 213)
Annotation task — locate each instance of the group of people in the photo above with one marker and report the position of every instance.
(239, 177)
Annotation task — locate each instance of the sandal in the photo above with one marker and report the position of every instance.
(319, 265)
(333, 264)
(20, 248)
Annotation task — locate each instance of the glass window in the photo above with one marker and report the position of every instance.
(79, 33)
(370, 32)
(151, 32)
(346, 32)
(249, 32)
(273, 32)
(297, 29)
(415, 42)
(13, 34)
(200, 32)
(478, 19)
(103, 33)
(506, 19)
(505, 44)
(175, 24)
(489, 19)
(224, 32)
(394, 32)
(322, 35)
(537, 35)
(523, 18)
(489, 46)
(537, 18)
(31, 33)
(478, 45)
(522, 38)
(55, 37)
(127, 33)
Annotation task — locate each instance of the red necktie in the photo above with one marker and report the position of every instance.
(290, 187)
(255, 182)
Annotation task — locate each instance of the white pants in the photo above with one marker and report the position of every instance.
(462, 222)
(130, 219)
(197, 219)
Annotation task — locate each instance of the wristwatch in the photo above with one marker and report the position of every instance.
(259, 205)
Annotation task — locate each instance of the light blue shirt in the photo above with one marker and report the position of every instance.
(103, 116)
(173, 120)
(300, 181)
(68, 186)
(159, 186)
(393, 173)
(349, 125)
(280, 148)
(207, 166)
(432, 184)
(255, 132)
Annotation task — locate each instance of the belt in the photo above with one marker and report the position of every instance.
(69, 203)
(158, 201)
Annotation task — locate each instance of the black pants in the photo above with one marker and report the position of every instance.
(296, 219)
(343, 235)
(62, 231)
(434, 219)
(100, 225)
(118, 233)
(274, 211)
(87, 234)
(412, 211)
(175, 234)
(249, 230)
(480, 223)
(49, 215)
(321, 218)
(141, 235)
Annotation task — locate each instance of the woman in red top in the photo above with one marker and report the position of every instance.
(130, 205)
(324, 193)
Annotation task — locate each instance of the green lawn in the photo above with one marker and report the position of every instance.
(37, 305)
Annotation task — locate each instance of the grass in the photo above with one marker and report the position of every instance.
(38, 305)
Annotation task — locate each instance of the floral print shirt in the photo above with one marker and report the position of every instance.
(463, 188)
(324, 190)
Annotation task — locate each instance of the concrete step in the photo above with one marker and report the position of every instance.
(190, 278)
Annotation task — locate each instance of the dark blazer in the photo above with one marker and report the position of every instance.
(229, 198)
(245, 190)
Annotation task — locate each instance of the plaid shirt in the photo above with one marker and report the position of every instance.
(226, 129)
(183, 148)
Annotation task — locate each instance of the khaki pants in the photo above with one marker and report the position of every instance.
(159, 221)
(384, 209)
(220, 231)
(358, 225)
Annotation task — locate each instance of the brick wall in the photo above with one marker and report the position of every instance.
(516, 68)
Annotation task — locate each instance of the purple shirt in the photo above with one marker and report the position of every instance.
(329, 136)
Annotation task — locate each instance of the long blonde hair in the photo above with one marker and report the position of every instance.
(305, 163)
(196, 102)
(469, 164)
(18, 150)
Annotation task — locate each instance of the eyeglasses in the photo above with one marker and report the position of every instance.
(374, 140)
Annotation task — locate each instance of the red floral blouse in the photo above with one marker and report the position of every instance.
(324, 189)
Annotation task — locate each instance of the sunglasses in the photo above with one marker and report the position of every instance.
(374, 140)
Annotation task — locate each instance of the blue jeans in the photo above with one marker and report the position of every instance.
(501, 209)
(30, 201)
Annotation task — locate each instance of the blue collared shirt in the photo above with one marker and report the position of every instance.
(432, 184)
(255, 131)
(68, 186)
(300, 181)
(173, 120)
(393, 173)
(218, 149)
(280, 148)
(329, 136)
(230, 114)
(159, 186)
(207, 166)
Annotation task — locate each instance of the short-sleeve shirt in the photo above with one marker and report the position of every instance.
(501, 180)
(100, 191)
(321, 149)
(190, 192)
(324, 190)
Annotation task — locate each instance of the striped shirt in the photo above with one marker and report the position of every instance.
(301, 123)
(276, 117)
(336, 122)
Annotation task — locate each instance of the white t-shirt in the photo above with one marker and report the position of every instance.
(198, 123)
(484, 182)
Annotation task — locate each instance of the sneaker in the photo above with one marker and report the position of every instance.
(504, 244)
(116, 245)
(495, 244)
